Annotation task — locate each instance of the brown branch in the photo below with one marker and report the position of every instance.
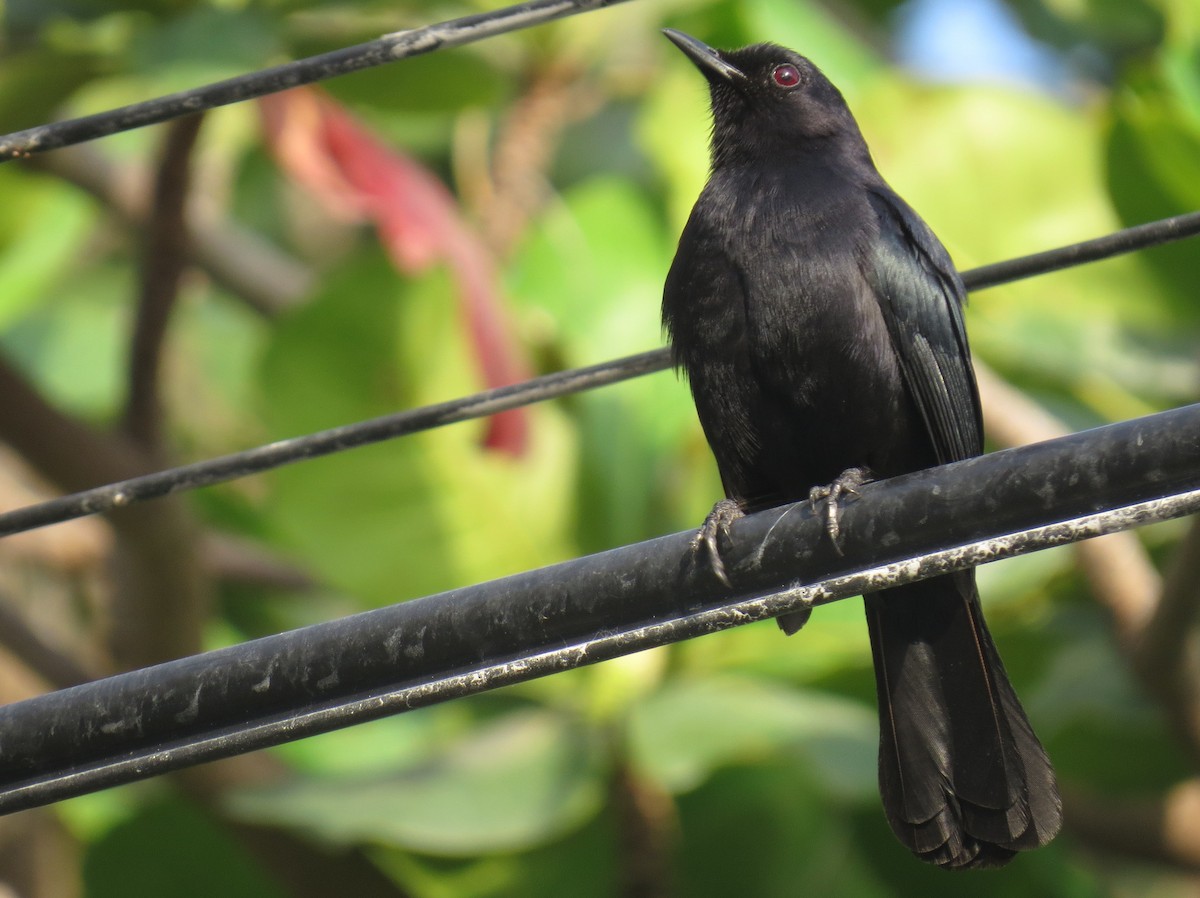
(1180, 603)
(162, 580)
(64, 450)
(1118, 570)
(49, 662)
(1164, 829)
(1166, 657)
(164, 259)
(160, 597)
(161, 594)
(39, 856)
(234, 560)
(310, 869)
(46, 577)
(647, 827)
(1155, 622)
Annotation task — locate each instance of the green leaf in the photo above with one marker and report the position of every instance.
(673, 131)
(1052, 870)
(1153, 156)
(435, 82)
(382, 746)
(48, 225)
(581, 864)
(33, 82)
(172, 849)
(683, 733)
(1014, 579)
(72, 348)
(518, 782)
(771, 832)
(205, 44)
(593, 270)
(332, 363)
(1091, 700)
(810, 29)
(998, 195)
(596, 264)
(421, 513)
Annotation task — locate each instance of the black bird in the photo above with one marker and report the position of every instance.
(819, 322)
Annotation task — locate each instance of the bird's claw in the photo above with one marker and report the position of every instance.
(846, 483)
(707, 537)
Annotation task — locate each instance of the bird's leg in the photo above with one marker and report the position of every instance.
(846, 483)
(722, 515)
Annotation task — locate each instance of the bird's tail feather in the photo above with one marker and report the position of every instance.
(964, 780)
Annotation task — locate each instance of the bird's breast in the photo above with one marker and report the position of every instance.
(817, 347)
(808, 303)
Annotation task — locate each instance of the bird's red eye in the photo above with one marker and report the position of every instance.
(785, 75)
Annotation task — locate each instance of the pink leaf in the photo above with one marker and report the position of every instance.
(357, 177)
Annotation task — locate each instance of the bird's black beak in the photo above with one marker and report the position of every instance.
(710, 63)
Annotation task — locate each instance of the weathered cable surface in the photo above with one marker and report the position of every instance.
(590, 609)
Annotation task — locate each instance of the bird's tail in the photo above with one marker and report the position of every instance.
(964, 780)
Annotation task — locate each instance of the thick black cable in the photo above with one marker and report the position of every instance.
(591, 609)
(389, 48)
(263, 458)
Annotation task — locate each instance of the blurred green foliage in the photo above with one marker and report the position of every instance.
(761, 748)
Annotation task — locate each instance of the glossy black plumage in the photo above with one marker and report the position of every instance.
(819, 321)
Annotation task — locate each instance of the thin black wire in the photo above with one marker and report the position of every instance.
(389, 48)
(1154, 233)
(490, 402)
(326, 442)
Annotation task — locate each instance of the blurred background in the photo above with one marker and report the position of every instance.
(420, 231)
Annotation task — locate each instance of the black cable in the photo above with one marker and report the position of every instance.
(591, 609)
(1154, 233)
(326, 442)
(252, 461)
(389, 48)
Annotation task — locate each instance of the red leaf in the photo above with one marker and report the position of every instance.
(357, 177)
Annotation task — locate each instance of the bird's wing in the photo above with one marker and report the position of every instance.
(922, 298)
(704, 314)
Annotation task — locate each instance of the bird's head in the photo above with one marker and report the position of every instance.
(767, 99)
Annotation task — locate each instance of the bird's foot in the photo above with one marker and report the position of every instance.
(717, 523)
(846, 483)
